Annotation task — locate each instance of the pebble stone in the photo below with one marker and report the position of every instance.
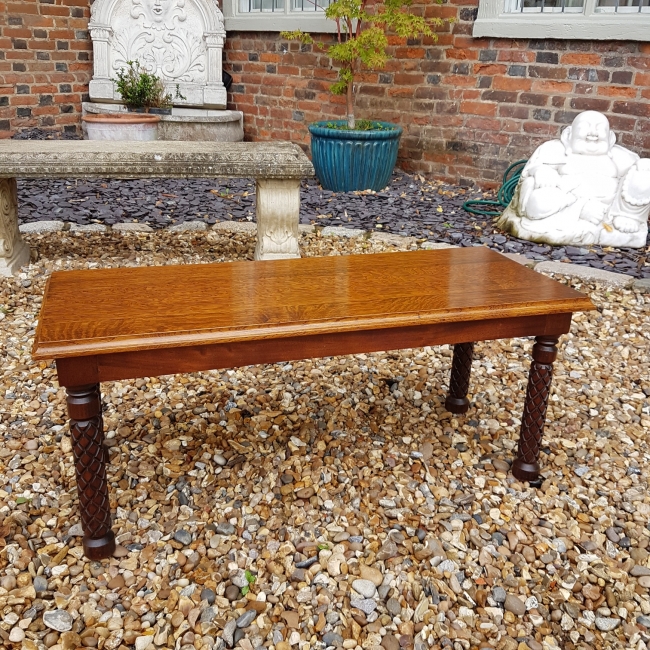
(499, 594)
(58, 620)
(607, 624)
(225, 528)
(366, 605)
(332, 639)
(233, 592)
(208, 595)
(143, 642)
(515, 605)
(228, 633)
(390, 642)
(393, 606)
(16, 635)
(644, 581)
(364, 587)
(370, 574)
(246, 618)
(40, 584)
(225, 456)
(183, 537)
(638, 570)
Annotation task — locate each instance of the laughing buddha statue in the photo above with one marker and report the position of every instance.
(582, 189)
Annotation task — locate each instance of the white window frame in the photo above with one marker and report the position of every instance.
(494, 21)
(275, 21)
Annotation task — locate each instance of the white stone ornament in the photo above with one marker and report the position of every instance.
(582, 189)
(181, 41)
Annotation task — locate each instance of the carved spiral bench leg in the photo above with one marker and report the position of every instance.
(461, 368)
(87, 431)
(526, 465)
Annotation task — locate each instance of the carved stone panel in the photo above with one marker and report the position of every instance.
(14, 253)
(278, 215)
(181, 41)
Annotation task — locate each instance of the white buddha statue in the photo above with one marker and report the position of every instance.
(582, 189)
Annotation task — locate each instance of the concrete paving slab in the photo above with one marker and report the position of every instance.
(42, 226)
(587, 273)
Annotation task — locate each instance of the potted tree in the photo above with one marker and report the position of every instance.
(145, 96)
(355, 154)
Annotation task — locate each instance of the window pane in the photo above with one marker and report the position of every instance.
(574, 6)
(623, 6)
(552, 6)
(309, 5)
(255, 6)
(546, 6)
(246, 6)
(532, 5)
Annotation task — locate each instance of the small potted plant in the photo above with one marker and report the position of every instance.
(144, 94)
(357, 154)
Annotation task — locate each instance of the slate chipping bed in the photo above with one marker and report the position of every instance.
(410, 206)
(354, 510)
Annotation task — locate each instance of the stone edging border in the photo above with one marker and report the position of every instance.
(585, 273)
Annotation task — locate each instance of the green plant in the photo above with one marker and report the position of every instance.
(362, 39)
(250, 579)
(142, 89)
(360, 125)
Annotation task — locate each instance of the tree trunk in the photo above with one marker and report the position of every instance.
(350, 104)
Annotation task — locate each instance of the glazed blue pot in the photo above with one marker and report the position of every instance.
(354, 160)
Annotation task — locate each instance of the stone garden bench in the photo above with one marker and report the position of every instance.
(277, 168)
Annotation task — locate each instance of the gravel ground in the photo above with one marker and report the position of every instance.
(328, 503)
(410, 206)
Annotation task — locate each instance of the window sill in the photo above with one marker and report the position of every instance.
(600, 26)
(279, 22)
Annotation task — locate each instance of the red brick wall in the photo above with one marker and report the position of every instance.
(468, 106)
(45, 63)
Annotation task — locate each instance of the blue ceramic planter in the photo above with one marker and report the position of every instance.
(354, 160)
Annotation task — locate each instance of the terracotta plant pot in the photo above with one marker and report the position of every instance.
(121, 126)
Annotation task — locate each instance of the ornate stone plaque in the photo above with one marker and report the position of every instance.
(181, 41)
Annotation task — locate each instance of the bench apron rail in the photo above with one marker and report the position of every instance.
(277, 167)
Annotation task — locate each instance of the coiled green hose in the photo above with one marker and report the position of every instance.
(504, 196)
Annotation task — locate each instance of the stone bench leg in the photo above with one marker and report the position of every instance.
(87, 432)
(526, 465)
(278, 213)
(14, 253)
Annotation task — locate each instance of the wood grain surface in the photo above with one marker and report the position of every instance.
(107, 311)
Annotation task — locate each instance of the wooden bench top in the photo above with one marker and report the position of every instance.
(125, 310)
(158, 159)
